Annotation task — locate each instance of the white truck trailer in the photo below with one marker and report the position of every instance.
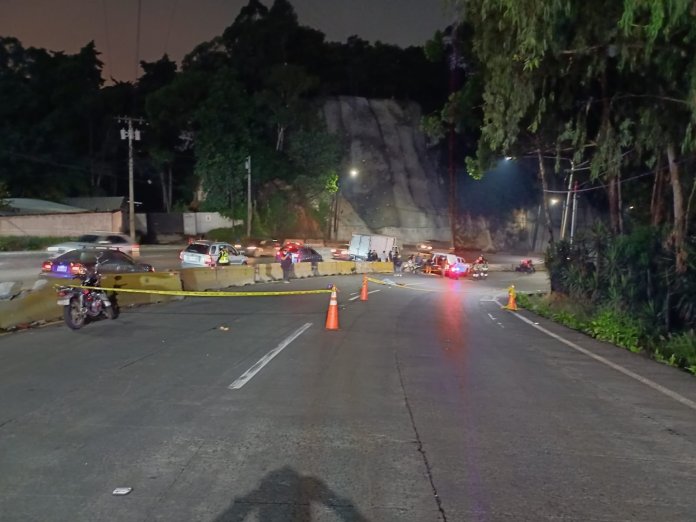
(362, 244)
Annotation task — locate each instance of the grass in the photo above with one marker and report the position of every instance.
(620, 328)
(21, 243)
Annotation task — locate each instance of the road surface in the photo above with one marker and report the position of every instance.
(429, 404)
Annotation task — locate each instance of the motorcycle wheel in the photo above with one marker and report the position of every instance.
(112, 312)
(73, 316)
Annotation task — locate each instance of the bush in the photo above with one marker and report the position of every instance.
(678, 350)
(619, 328)
(229, 235)
(20, 243)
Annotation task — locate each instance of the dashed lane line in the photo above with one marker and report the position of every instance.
(256, 368)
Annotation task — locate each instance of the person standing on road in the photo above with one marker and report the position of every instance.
(286, 265)
(397, 263)
(223, 257)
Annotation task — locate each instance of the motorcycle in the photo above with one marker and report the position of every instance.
(480, 271)
(81, 305)
(526, 266)
(412, 267)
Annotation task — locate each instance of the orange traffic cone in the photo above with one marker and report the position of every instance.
(363, 292)
(512, 299)
(332, 314)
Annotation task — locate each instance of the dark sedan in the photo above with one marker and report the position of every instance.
(301, 254)
(77, 263)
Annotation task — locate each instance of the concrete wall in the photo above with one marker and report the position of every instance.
(196, 223)
(60, 225)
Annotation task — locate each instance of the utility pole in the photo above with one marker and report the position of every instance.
(130, 134)
(573, 220)
(566, 209)
(248, 220)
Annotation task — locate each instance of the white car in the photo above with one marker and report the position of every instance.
(205, 253)
(111, 240)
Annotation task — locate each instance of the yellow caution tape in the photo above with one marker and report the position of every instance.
(198, 294)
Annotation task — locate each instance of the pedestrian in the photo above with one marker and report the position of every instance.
(391, 256)
(428, 265)
(224, 256)
(397, 264)
(384, 258)
(286, 265)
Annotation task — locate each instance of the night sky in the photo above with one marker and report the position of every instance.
(175, 27)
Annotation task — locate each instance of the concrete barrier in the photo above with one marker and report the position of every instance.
(216, 278)
(268, 272)
(198, 279)
(345, 267)
(326, 268)
(302, 270)
(147, 281)
(363, 267)
(40, 304)
(32, 306)
(234, 276)
(382, 267)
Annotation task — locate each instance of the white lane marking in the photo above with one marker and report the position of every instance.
(256, 368)
(643, 380)
(492, 318)
(368, 293)
(501, 325)
(354, 293)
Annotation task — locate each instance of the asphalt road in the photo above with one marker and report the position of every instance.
(429, 404)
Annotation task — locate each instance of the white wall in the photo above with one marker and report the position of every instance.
(201, 222)
(61, 224)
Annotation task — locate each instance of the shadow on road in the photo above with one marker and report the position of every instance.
(286, 496)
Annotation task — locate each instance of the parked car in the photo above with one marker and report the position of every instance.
(262, 247)
(205, 253)
(115, 240)
(300, 254)
(80, 262)
(449, 265)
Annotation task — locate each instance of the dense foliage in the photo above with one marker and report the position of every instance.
(254, 91)
(605, 92)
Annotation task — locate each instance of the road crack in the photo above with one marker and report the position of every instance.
(419, 442)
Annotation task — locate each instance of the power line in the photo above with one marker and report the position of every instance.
(137, 42)
(108, 39)
(601, 185)
(175, 3)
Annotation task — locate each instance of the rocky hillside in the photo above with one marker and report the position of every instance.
(397, 190)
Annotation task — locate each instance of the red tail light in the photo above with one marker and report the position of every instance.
(208, 260)
(181, 256)
(77, 269)
(46, 266)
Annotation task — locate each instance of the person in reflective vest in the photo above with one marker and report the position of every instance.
(224, 257)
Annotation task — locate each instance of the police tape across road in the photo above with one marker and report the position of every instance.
(185, 293)
(218, 293)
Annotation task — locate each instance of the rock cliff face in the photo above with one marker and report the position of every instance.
(398, 190)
